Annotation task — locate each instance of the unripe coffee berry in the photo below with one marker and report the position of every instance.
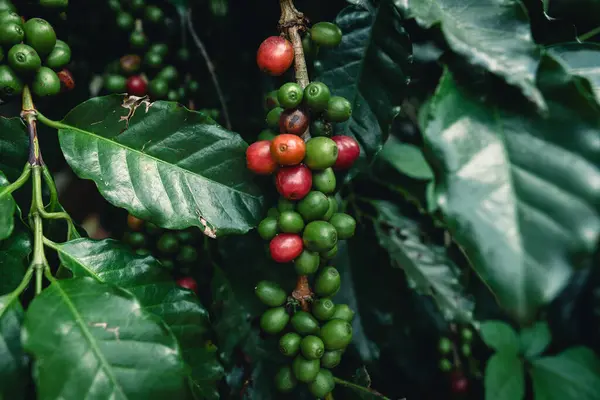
(336, 334)
(322, 385)
(274, 320)
(270, 293)
(305, 324)
(307, 263)
(285, 381)
(323, 309)
(268, 228)
(312, 347)
(290, 95)
(305, 370)
(328, 281)
(275, 55)
(289, 344)
(321, 153)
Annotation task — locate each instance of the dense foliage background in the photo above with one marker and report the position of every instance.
(477, 197)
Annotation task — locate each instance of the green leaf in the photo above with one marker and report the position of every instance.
(520, 196)
(163, 163)
(102, 343)
(13, 362)
(406, 158)
(370, 69)
(504, 377)
(499, 336)
(14, 147)
(428, 268)
(573, 374)
(109, 261)
(493, 34)
(8, 206)
(13, 259)
(534, 340)
(581, 59)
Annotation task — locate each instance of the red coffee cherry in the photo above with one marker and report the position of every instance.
(285, 247)
(294, 121)
(459, 383)
(295, 182)
(275, 55)
(136, 86)
(259, 159)
(67, 82)
(348, 151)
(188, 282)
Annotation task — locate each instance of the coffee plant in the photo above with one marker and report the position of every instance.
(376, 199)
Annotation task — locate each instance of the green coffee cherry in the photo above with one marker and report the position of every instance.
(153, 60)
(168, 244)
(338, 109)
(168, 264)
(11, 34)
(319, 236)
(135, 239)
(322, 385)
(321, 153)
(10, 17)
(466, 334)
(172, 95)
(318, 127)
(316, 96)
(273, 118)
(193, 86)
(328, 282)
(159, 48)
(115, 83)
(187, 254)
(270, 293)
(305, 324)
(6, 5)
(445, 365)
(285, 381)
(307, 263)
(138, 40)
(143, 252)
(326, 34)
(305, 370)
(158, 88)
(10, 84)
(289, 344)
(40, 35)
(183, 55)
(324, 181)
(290, 222)
(153, 229)
(125, 21)
(309, 47)
(312, 347)
(169, 74)
(273, 212)
(336, 334)
(290, 95)
(323, 309)
(313, 206)
(330, 255)
(344, 224)
(184, 236)
(45, 83)
(465, 349)
(331, 359)
(274, 320)
(333, 207)
(268, 228)
(343, 312)
(154, 14)
(445, 345)
(266, 134)
(24, 59)
(284, 204)
(59, 56)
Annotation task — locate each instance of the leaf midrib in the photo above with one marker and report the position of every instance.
(155, 159)
(89, 337)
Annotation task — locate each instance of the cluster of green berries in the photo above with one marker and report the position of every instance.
(176, 250)
(30, 54)
(446, 347)
(305, 227)
(129, 12)
(315, 340)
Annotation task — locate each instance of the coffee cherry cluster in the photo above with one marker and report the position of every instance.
(459, 383)
(176, 250)
(30, 54)
(304, 229)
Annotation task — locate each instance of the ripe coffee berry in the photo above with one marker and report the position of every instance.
(288, 149)
(348, 152)
(67, 82)
(294, 183)
(188, 282)
(259, 159)
(294, 121)
(136, 86)
(285, 247)
(459, 383)
(275, 55)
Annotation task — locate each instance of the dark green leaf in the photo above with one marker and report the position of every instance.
(163, 163)
(493, 34)
(370, 69)
(428, 268)
(573, 374)
(7, 209)
(500, 336)
(13, 259)
(582, 60)
(102, 342)
(504, 377)
(406, 158)
(13, 362)
(109, 261)
(520, 196)
(534, 340)
(14, 147)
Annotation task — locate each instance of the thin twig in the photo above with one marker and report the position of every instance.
(358, 387)
(211, 68)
